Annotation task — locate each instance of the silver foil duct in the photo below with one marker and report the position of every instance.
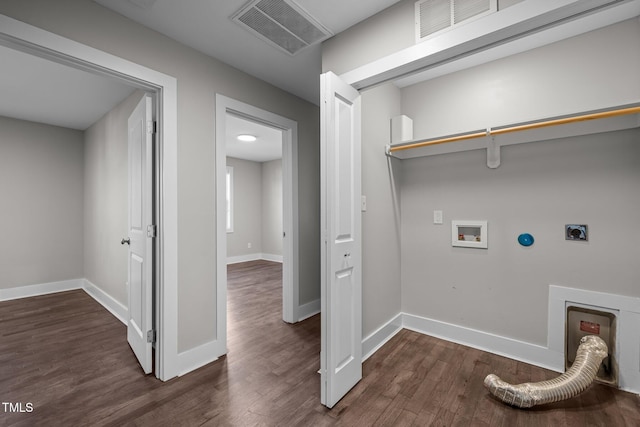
(591, 352)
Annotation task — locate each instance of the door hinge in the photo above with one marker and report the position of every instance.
(151, 336)
(151, 231)
(152, 126)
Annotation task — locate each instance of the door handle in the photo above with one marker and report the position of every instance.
(127, 241)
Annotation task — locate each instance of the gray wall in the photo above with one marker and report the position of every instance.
(272, 207)
(383, 34)
(257, 209)
(72, 202)
(538, 188)
(199, 79)
(587, 72)
(42, 203)
(381, 252)
(106, 200)
(247, 208)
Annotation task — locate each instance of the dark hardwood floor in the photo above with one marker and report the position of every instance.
(69, 358)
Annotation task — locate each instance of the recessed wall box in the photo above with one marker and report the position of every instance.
(583, 321)
(579, 232)
(469, 234)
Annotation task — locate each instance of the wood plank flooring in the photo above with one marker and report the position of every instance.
(69, 357)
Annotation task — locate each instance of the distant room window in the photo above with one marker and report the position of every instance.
(229, 199)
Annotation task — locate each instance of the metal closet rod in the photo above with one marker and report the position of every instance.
(518, 128)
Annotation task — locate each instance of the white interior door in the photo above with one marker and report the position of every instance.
(341, 287)
(141, 232)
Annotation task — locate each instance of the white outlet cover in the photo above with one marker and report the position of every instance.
(437, 217)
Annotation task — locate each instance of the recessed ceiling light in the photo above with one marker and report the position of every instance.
(246, 138)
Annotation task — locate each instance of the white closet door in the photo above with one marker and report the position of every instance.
(341, 294)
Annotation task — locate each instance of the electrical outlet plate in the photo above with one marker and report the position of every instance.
(437, 217)
(576, 232)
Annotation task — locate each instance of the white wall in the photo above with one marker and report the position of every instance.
(41, 184)
(272, 208)
(106, 200)
(199, 78)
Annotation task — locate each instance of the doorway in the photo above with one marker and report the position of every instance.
(225, 108)
(254, 191)
(25, 38)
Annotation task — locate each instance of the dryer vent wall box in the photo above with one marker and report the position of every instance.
(583, 321)
(469, 234)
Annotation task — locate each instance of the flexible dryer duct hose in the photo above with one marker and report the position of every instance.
(578, 378)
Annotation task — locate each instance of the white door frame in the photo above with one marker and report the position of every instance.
(290, 282)
(27, 38)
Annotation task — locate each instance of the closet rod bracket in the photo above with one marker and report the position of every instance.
(493, 153)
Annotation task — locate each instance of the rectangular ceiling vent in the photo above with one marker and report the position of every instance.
(437, 16)
(282, 23)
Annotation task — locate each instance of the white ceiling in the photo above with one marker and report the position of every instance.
(205, 26)
(267, 146)
(43, 91)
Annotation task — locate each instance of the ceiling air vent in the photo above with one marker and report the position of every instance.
(281, 23)
(436, 16)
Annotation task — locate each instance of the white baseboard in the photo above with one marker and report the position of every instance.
(243, 258)
(115, 307)
(253, 257)
(377, 339)
(272, 258)
(40, 289)
(197, 357)
(507, 347)
(108, 302)
(502, 346)
(309, 309)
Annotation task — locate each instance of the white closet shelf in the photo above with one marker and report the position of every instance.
(584, 123)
